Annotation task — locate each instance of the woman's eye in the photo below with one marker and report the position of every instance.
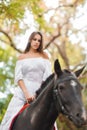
(34, 39)
(37, 40)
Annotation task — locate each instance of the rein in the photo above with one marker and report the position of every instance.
(58, 98)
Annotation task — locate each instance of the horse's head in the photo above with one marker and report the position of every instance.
(67, 95)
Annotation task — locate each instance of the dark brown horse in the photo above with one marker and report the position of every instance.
(60, 93)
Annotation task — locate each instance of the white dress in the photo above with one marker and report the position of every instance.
(33, 71)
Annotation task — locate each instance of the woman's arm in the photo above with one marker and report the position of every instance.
(20, 82)
(28, 97)
(24, 89)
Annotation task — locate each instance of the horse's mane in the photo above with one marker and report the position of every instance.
(44, 84)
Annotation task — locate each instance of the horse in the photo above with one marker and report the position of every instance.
(60, 93)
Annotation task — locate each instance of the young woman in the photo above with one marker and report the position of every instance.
(32, 68)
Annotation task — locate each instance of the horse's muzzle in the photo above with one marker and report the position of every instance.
(79, 120)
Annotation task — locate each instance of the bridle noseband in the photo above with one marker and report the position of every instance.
(57, 96)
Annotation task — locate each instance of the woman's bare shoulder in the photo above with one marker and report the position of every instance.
(45, 55)
(22, 56)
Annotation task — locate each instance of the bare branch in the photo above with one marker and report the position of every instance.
(10, 40)
(54, 37)
(60, 6)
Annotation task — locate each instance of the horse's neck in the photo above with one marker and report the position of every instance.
(45, 104)
(46, 96)
(43, 111)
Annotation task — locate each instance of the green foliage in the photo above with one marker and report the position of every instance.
(11, 10)
(76, 57)
(7, 64)
(74, 53)
(11, 13)
(15, 9)
(3, 105)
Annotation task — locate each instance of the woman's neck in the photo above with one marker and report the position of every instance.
(32, 51)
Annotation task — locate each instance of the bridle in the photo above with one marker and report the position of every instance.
(58, 98)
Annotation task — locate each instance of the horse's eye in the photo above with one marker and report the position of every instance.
(61, 87)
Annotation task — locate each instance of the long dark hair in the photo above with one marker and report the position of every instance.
(40, 49)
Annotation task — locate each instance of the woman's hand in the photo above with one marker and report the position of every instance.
(30, 99)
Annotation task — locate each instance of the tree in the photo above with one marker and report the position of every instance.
(57, 26)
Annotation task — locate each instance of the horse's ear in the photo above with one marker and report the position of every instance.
(78, 72)
(57, 67)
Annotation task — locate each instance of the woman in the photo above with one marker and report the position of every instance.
(32, 68)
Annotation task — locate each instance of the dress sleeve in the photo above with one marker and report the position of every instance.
(48, 70)
(18, 72)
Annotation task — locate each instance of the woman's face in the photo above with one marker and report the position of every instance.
(35, 42)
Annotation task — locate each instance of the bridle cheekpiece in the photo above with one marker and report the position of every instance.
(57, 95)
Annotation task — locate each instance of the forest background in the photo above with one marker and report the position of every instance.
(63, 24)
